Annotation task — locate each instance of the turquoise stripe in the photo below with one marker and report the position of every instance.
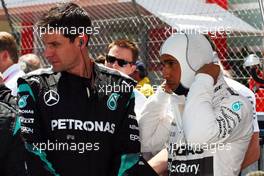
(127, 161)
(26, 88)
(42, 155)
(131, 97)
(17, 126)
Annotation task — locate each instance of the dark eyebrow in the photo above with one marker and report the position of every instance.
(52, 43)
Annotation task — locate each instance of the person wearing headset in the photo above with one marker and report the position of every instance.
(204, 123)
(71, 122)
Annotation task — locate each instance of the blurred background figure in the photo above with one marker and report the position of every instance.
(29, 62)
(141, 76)
(256, 82)
(122, 55)
(255, 66)
(8, 61)
(256, 173)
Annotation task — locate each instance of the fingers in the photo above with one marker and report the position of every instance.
(211, 69)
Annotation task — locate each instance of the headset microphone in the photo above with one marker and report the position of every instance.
(86, 70)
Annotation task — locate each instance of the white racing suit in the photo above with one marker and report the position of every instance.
(212, 135)
(155, 120)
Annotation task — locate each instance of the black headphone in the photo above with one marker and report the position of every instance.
(142, 72)
(81, 42)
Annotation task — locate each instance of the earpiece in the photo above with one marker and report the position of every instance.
(81, 42)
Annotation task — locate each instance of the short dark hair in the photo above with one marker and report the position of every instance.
(66, 15)
(8, 43)
(124, 43)
(141, 68)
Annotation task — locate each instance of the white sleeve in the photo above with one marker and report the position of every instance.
(255, 124)
(140, 100)
(252, 99)
(204, 123)
(154, 123)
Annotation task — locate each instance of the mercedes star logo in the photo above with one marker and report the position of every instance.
(51, 98)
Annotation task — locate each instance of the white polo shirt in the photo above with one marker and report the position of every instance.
(246, 92)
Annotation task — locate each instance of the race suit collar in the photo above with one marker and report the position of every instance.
(181, 90)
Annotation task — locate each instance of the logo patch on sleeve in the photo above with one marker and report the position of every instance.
(112, 101)
(22, 102)
(236, 106)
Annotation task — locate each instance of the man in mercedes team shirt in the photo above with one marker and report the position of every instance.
(71, 124)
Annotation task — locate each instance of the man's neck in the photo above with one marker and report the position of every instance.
(181, 90)
(84, 69)
(5, 67)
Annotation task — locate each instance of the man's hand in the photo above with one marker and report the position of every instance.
(160, 162)
(211, 69)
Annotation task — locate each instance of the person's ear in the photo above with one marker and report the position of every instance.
(83, 40)
(4, 55)
(133, 68)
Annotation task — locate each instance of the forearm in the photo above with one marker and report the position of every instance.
(154, 124)
(199, 116)
(253, 152)
(160, 162)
